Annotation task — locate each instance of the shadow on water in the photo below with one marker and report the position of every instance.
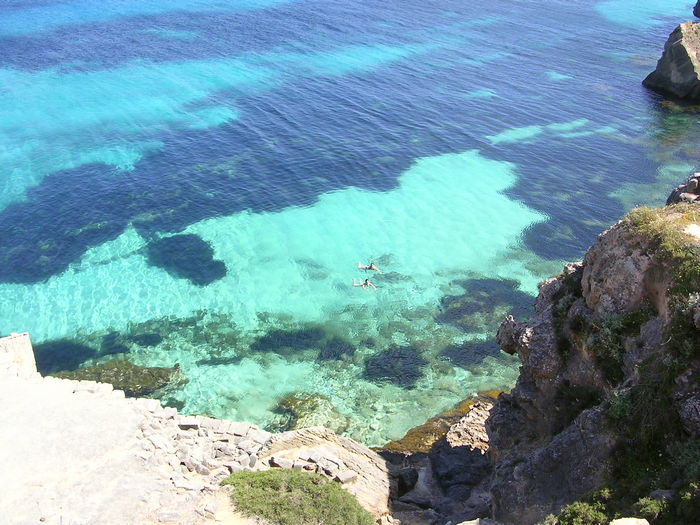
(61, 354)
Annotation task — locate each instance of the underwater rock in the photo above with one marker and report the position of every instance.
(219, 361)
(336, 349)
(113, 343)
(470, 353)
(61, 354)
(148, 339)
(186, 257)
(134, 380)
(696, 9)
(483, 304)
(299, 410)
(677, 70)
(401, 365)
(278, 340)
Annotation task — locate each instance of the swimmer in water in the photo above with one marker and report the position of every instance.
(364, 284)
(370, 266)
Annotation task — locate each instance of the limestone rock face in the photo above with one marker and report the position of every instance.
(527, 487)
(440, 470)
(549, 441)
(614, 272)
(677, 70)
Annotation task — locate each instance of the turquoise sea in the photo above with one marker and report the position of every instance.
(195, 181)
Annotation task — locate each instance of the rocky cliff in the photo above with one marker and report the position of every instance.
(606, 409)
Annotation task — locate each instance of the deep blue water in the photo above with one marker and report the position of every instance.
(152, 117)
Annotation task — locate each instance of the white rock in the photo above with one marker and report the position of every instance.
(239, 429)
(345, 476)
(187, 422)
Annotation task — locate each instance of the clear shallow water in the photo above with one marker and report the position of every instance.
(467, 150)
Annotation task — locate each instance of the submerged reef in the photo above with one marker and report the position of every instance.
(401, 365)
(300, 410)
(470, 353)
(186, 257)
(281, 341)
(134, 380)
(336, 349)
(483, 304)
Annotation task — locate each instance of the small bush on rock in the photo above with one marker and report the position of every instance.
(650, 509)
(581, 513)
(290, 497)
(689, 501)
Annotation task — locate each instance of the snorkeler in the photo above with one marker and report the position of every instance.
(370, 266)
(364, 284)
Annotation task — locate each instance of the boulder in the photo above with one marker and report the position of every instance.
(677, 70)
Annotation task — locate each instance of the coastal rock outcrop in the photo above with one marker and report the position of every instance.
(677, 71)
(440, 470)
(686, 192)
(606, 381)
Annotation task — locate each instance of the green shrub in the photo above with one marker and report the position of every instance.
(650, 509)
(688, 506)
(679, 250)
(686, 458)
(569, 291)
(290, 497)
(683, 339)
(607, 336)
(581, 513)
(620, 406)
